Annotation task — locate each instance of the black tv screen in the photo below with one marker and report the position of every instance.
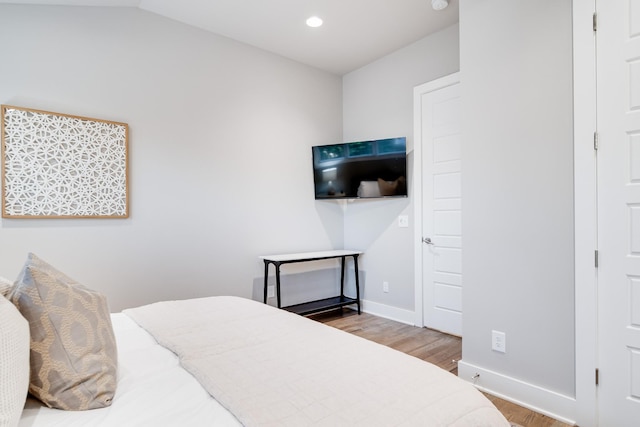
(362, 169)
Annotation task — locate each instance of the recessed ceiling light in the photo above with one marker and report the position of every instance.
(439, 4)
(314, 22)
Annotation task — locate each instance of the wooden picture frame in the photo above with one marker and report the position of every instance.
(62, 166)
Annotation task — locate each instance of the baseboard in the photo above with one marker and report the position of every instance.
(538, 399)
(388, 312)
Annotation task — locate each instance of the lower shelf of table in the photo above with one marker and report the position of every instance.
(320, 305)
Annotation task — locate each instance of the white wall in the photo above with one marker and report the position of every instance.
(378, 103)
(220, 158)
(516, 73)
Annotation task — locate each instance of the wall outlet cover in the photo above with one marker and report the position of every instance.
(499, 341)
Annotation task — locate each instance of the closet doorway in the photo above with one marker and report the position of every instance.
(438, 205)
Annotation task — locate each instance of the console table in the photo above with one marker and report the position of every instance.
(318, 305)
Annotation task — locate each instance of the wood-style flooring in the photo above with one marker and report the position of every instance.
(436, 347)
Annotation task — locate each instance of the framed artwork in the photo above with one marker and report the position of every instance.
(61, 166)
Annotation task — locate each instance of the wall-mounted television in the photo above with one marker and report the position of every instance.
(361, 169)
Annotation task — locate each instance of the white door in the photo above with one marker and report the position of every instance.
(618, 81)
(441, 246)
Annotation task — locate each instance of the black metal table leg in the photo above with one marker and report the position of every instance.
(355, 267)
(342, 278)
(266, 275)
(277, 265)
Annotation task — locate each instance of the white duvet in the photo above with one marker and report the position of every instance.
(273, 368)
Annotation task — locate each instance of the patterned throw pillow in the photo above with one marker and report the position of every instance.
(14, 363)
(73, 349)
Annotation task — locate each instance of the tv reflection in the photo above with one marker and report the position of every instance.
(363, 169)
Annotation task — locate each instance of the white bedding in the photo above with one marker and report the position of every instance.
(273, 368)
(268, 367)
(153, 390)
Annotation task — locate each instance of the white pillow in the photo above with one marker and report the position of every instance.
(14, 363)
(369, 189)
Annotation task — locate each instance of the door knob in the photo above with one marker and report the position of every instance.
(427, 240)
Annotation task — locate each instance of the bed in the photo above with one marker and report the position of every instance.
(230, 361)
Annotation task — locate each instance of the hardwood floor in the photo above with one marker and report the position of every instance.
(440, 349)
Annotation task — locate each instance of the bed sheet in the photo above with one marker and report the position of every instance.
(153, 390)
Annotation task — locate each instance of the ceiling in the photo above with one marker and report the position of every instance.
(355, 32)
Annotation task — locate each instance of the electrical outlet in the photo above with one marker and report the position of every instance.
(385, 287)
(271, 291)
(499, 341)
(403, 221)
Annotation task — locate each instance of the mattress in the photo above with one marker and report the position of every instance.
(153, 390)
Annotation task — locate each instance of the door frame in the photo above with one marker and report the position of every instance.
(585, 212)
(418, 91)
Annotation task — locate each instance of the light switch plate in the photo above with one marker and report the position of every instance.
(403, 221)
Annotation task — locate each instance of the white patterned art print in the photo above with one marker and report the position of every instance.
(62, 166)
